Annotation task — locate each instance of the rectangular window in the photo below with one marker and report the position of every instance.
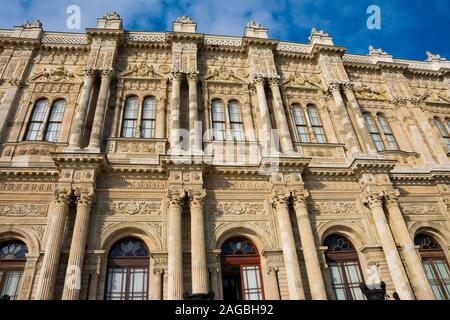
(252, 283)
(138, 284)
(300, 124)
(346, 277)
(12, 284)
(117, 279)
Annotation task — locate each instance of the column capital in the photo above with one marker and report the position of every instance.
(196, 198)
(175, 198)
(334, 86)
(62, 195)
(280, 199)
(274, 81)
(85, 195)
(107, 72)
(373, 199)
(391, 198)
(299, 198)
(89, 72)
(348, 86)
(258, 80)
(192, 76)
(175, 75)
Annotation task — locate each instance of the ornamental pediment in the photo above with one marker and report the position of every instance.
(223, 74)
(298, 80)
(142, 70)
(57, 74)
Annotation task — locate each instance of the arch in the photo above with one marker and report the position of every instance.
(141, 231)
(431, 228)
(254, 233)
(23, 234)
(352, 232)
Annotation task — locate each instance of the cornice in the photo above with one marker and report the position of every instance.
(77, 159)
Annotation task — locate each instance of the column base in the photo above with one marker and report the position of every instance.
(199, 296)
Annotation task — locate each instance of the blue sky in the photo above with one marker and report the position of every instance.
(408, 28)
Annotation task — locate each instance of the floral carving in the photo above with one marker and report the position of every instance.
(152, 208)
(421, 209)
(22, 210)
(334, 208)
(236, 208)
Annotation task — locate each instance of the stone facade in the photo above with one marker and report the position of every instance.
(71, 198)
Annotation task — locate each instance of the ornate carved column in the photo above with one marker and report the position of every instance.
(347, 131)
(274, 292)
(194, 133)
(412, 259)
(280, 203)
(315, 278)
(175, 78)
(360, 122)
(72, 284)
(265, 136)
(55, 232)
(280, 117)
(100, 111)
(80, 116)
(198, 247)
(393, 259)
(156, 291)
(175, 249)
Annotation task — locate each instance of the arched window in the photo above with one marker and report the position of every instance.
(435, 265)
(386, 128)
(373, 130)
(237, 129)
(148, 118)
(127, 276)
(316, 124)
(343, 263)
(443, 131)
(300, 123)
(55, 120)
(241, 270)
(129, 117)
(12, 264)
(218, 119)
(37, 119)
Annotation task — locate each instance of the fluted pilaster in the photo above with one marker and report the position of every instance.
(315, 277)
(394, 262)
(175, 79)
(100, 111)
(80, 116)
(265, 136)
(295, 286)
(198, 249)
(55, 232)
(280, 117)
(72, 284)
(412, 259)
(194, 133)
(347, 130)
(175, 249)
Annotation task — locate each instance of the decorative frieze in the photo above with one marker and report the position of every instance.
(344, 208)
(235, 208)
(23, 210)
(425, 209)
(152, 208)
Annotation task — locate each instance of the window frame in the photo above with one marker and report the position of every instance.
(41, 123)
(152, 121)
(240, 123)
(443, 131)
(374, 130)
(125, 118)
(49, 120)
(222, 122)
(386, 131)
(314, 126)
(339, 259)
(127, 264)
(298, 106)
